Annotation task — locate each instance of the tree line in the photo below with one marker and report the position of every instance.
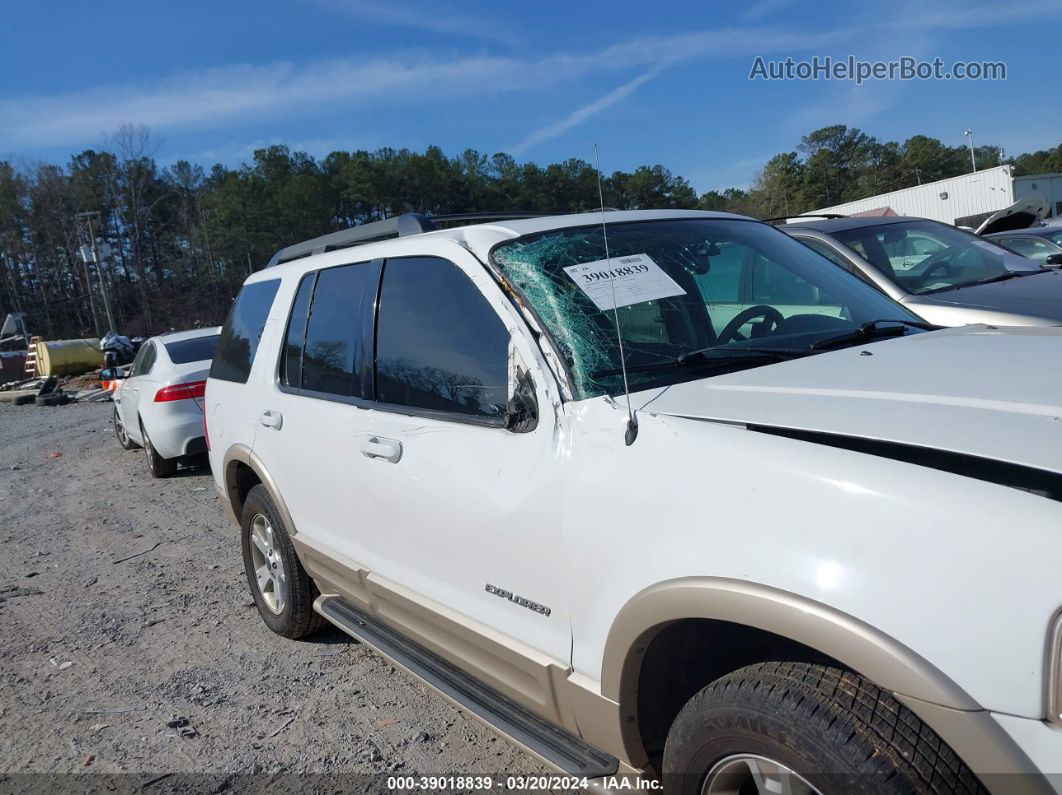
(181, 239)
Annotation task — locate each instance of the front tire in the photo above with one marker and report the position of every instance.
(806, 729)
(283, 592)
(160, 467)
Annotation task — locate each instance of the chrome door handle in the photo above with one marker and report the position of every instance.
(385, 449)
(271, 419)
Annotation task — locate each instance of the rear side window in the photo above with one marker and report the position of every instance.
(291, 363)
(334, 359)
(199, 349)
(242, 331)
(439, 344)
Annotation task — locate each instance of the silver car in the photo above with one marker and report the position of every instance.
(946, 275)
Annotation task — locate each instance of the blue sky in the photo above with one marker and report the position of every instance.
(649, 83)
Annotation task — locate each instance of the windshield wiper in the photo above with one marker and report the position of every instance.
(719, 357)
(1003, 277)
(870, 330)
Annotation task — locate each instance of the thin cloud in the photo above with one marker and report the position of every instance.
(587, 111)
(240, 93)
(243, 92)
(763, 8)
(433, 19)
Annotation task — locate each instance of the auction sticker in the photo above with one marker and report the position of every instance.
(622, 281)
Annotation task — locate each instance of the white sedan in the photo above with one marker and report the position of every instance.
(159, 406)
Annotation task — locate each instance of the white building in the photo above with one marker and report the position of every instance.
(965, 200)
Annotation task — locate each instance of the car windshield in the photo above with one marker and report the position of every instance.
(926, 256)
(197, 349)
(695, 297)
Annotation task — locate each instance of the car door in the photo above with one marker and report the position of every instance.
(476, 506)
(133, 388)
(313, 417)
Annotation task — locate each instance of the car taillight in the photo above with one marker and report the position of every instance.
(193, 389)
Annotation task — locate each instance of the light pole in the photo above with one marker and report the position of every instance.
(93, 253)
(973, 159)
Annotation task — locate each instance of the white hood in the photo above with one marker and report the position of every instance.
(978, 390)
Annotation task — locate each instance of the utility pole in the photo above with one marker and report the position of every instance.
(95, 256)
(973, 158)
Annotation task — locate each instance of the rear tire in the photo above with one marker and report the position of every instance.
(824, 729)
(124, 439)
(283, 592)
(160, 467)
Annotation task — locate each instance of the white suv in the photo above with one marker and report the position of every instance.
(817, 554)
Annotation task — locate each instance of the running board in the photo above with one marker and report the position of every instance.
(555, 745)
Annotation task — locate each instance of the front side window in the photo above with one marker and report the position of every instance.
(242, 331)
(926, 256)
(145, 357)
(722, 293)
(440, 346)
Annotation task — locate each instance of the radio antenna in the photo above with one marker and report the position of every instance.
(632, 420)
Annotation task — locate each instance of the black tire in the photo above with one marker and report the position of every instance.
(124, 439)
(832, 727)
(158, 466)
(25, 400)
(297, 619)
(51, 399)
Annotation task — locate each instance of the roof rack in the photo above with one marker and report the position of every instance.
(802, 215)
(395, 226)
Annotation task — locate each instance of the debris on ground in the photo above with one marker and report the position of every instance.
(183, 726)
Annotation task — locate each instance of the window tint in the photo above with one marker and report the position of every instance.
(1055, 237)
(242, 331)
(334, 353)
(199, 349)
(291, 358)
(439, 344)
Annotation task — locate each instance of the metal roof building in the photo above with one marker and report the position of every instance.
(965, 200)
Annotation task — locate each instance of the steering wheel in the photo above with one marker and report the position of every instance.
(940, 265)
(768, 313)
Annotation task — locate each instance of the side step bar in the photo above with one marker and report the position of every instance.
(557, 746)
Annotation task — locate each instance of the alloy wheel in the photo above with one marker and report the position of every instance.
(269, 572)
(744, 774)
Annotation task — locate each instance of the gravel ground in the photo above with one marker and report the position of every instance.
(123, 605)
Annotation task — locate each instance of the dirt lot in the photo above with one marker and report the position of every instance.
(123, 605)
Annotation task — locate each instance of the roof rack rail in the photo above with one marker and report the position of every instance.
(395, 226)
(802, 215)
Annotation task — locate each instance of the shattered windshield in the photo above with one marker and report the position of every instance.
(694, 297)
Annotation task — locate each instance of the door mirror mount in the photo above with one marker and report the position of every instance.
(521, 410)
